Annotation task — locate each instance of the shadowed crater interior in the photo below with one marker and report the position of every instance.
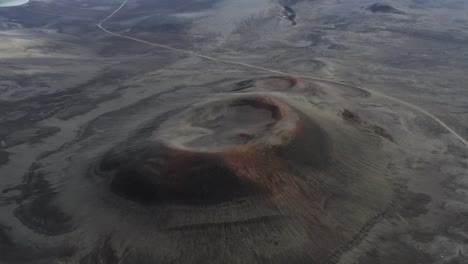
(197, 156)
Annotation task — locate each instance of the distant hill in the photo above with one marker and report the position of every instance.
(384, 8)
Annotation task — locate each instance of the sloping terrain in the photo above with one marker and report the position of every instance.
(213, 131)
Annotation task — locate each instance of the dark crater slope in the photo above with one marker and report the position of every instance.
(253, 168)
(384, 8)
(199, 156)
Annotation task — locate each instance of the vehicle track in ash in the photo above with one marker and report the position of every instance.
(311, 78)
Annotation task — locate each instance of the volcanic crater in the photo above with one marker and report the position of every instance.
(273, 163)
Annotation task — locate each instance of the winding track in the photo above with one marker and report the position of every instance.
(191, 53)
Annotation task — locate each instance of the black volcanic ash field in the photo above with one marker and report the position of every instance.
(114, 149)
(269, 170)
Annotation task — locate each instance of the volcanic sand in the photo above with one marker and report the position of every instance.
(253, 174)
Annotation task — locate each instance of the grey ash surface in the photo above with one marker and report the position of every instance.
(72, 96)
